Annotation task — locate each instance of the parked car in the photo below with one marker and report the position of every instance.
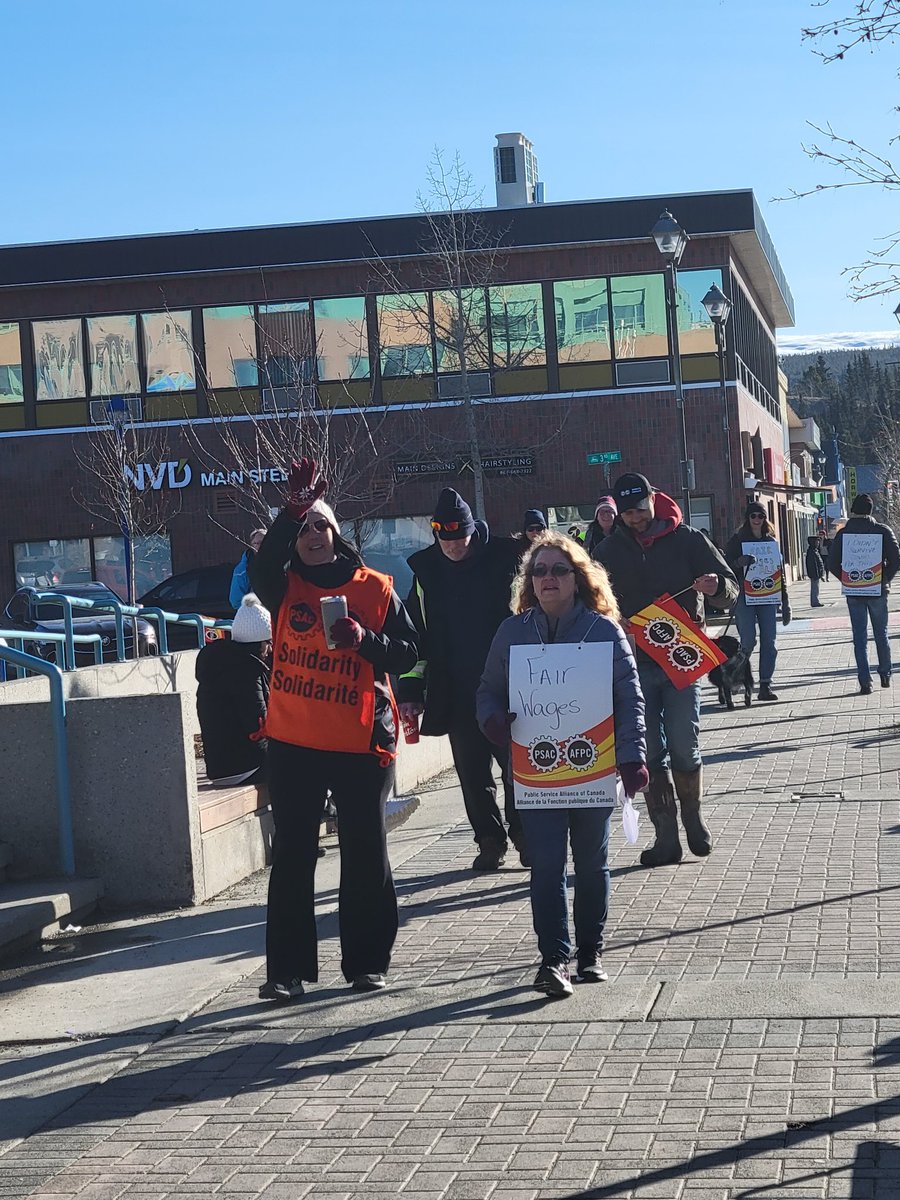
(203, 590)
(24, 611)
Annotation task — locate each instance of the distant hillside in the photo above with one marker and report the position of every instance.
(794, 365)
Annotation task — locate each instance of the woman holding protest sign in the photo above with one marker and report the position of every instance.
(561, 596)
(340, 631)
(753, 554)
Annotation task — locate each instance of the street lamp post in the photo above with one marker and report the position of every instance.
(671, 240)
(718, 309)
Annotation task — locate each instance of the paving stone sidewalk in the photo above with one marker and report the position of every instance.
(747, 1044)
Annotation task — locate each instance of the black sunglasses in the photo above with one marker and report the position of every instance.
(558, 570)
(319, 525)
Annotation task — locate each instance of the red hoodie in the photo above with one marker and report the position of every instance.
(667, 519)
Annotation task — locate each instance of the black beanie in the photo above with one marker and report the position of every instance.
(534, 516)
(862, 506)
(452, 509)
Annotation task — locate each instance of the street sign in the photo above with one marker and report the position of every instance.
(599, 457)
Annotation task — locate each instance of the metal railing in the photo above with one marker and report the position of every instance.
(18, 637)
(31, 662)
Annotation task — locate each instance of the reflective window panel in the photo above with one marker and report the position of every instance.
(461, 327)
(639, 316)
(342, 343)
(230, 337)
(404, 335)
(517, 325)
(112, 353)
(285, 345)
(10, 364)
(169, 352)
(582, 320)
(152, 563)
(696, 334)
(58, 360)
(57, 560)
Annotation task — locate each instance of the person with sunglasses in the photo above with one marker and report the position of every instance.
(560, 595)
(460, 595)
(533, 526)
(756, 528)
(331, 726)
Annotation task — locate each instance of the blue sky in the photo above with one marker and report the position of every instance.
(183, 114)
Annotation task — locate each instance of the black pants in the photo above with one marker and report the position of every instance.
(367, 904)
(473, 757)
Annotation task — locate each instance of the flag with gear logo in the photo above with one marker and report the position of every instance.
(665, 632)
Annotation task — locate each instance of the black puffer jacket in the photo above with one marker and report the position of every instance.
(391, 649)
(232, 697)
(890, 552)
(670, 563)
(457, 608)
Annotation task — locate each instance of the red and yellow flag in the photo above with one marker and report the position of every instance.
(665, 632)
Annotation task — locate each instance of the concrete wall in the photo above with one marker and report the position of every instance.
(134, 795)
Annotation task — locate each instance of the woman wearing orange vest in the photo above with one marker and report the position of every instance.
(331, 725)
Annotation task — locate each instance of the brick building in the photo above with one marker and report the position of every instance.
(214, 338)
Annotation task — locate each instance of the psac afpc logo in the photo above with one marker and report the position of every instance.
(547, 754)
(666, 635)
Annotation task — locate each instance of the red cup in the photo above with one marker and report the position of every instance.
(411, 729)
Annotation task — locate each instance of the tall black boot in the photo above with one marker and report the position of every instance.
(689, 786)
(661, 809)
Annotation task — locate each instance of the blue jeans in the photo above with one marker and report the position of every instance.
(862, 609)
(747, 616)
(814, 591)
(673, 719)
(546, 834)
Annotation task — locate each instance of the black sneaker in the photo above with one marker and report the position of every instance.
(281, 993)
(591, 971)
(369, 983)
(865, 689)
(553, 979)
(766, 693)
(491, 855)
(885, 681)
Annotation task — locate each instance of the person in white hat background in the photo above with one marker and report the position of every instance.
(232, 696)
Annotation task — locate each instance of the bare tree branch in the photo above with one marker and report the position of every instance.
(870, 21)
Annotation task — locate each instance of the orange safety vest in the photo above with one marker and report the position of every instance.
(320, 698)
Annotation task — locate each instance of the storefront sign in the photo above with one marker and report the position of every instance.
(563, 739)
(436, 466)
(175, 475)
(512, 464)
(762, 583)
(861, 560)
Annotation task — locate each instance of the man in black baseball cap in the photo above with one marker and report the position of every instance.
(649, 552)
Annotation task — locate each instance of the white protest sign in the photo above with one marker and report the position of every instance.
(563, 738)
(762, 583)
(861, 555)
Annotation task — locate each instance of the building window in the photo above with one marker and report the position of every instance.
(43, 564)
(517, 325)
(386, 542)
(152, 562)
(58, 360)
(582, 320)
(342, 343)
(696, 334)
(112, 354)
(169, 352)
(461, 325)
(639, 316)
(230, 337)
(404, 334)
(10, 364)
(506, 164)
(285, 344)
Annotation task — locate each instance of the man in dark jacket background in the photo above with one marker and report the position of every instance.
(650, 552)
(460, 595)
(815, 569)
(863, 609)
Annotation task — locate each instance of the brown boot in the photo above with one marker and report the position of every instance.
(689, 786)
(662, 810)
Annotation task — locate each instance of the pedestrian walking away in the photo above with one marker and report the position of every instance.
(460, 595)
(815, 569)
(560, 595)
(232, 696)
(866, 608)
(651, 552)
(332, 726)
(602, 525)
(825, 553)
(748, 617)
(240, 576)
(534, 524)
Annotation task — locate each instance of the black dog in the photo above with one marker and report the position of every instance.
(733, 674)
